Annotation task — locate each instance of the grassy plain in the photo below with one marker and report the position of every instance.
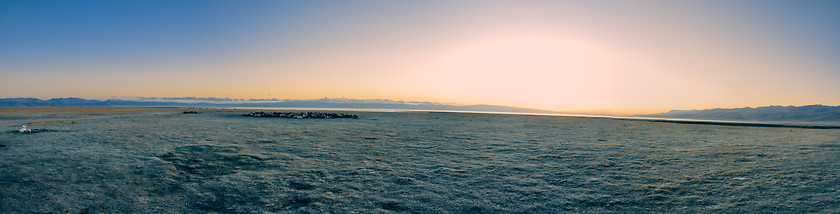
(157, 160)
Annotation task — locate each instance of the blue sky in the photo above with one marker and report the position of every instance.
(583, 56)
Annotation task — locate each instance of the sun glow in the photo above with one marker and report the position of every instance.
(535, 71)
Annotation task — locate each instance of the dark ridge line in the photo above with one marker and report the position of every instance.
(737, 123)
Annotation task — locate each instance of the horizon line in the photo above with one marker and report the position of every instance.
(376, 101)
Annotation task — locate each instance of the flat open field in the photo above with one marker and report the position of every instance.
(157, 160)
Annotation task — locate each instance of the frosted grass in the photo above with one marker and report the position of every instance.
(159, 160)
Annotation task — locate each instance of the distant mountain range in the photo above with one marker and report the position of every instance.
(273, 103)
(770, 114)
(790, 114)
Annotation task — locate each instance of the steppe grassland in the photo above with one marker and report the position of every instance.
(159, 160)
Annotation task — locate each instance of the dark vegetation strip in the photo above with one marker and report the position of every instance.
(723, 123)
(301, 115)
(686, 121)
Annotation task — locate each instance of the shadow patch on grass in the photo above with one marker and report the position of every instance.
(211, 160)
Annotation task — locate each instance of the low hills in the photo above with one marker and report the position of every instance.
(770, 114)
(231, 103)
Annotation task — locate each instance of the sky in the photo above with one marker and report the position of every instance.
(570, 56)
